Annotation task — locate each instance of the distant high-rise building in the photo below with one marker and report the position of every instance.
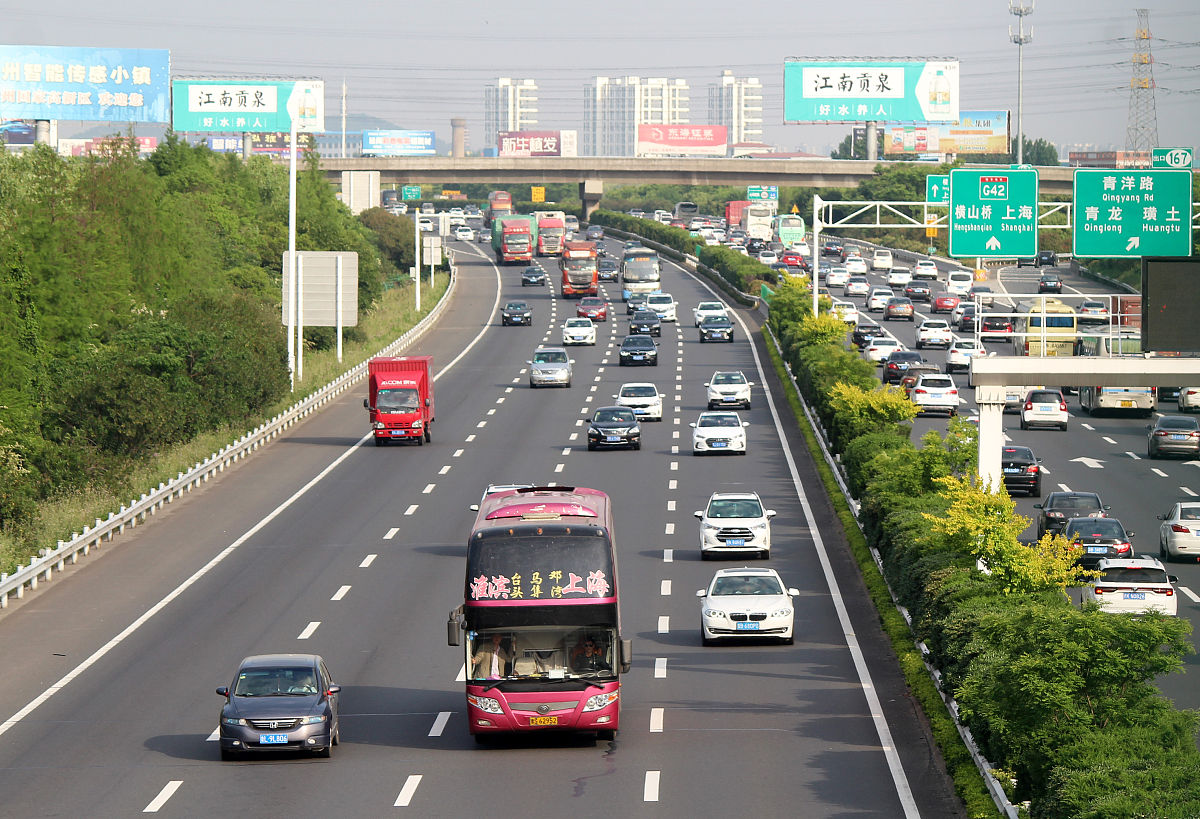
(738, 105)
(509, 105)
(614, 107)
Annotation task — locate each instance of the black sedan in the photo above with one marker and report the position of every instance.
(831, 247)
(645, 322)
(614, 427)
(516, 312)
(635, 302)
(1050, 283)
(1021, 470)
(1098, 538)
(638, 350)
(919, 291)
(864, 332)
(716, 328)
(279, 702)
(533, 275)
(896, 365)
(1061, 507)
(607, 269)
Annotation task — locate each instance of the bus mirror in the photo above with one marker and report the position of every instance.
(452, 632)
(626, 656)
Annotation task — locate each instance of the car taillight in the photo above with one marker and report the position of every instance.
(1161, 433)
(1028, 405)
(952, 392)
(1166, 592)
(1102, 590)
(1122, 548)
(1062, 405)
(1050, 513)
(1032, 470)
(919, 391)
(1175, 527)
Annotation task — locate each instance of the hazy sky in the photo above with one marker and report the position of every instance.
(419, 64)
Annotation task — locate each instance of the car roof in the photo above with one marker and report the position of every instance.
(718, 414)
(734, 496)
(1144, 562)
(637, 384)
(746, 571)
(267, 660)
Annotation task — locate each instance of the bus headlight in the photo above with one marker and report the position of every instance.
(488, 705)
(600, 701)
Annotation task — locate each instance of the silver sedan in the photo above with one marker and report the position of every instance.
(1179, 534)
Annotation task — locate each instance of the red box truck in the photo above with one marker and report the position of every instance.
(401, 398)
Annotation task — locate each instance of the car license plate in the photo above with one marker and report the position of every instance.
(1010, 470)
(272, 739)
(1133, 595)
(1097, 550)
(1126, 403)
(719, 444)
(747, 626)
(1178, 437)
(730, 398)
(736, 541)
(543, 720)
(612, 439)
(639, 357)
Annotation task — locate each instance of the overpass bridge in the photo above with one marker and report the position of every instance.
(591, 173)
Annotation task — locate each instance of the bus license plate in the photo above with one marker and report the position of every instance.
(1126, 403)
(543, 720)
(746, 626)
(1133, 595)
(272, 739)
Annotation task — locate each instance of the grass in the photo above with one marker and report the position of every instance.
(60, 518)
(968, 782)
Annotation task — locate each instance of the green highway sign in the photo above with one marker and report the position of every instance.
(937, 189)
(762, 192)
(410, 192)
(1132, 212)
(1171, 158)
(993, 212)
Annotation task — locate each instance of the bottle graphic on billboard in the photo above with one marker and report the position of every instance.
(308, 110)
(939, 94)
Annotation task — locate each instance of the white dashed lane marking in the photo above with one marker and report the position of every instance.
(1158, 472)
(439, 724)
(669, 529)
(407, 792)
(668, 555)
(428, 488)
(410, 510)
(340, 593)
(309, 630)
(664, 624)
(166, 793)
(367, 561)
(656, 720)
(391, 533)
(664, 588)
(660, 668)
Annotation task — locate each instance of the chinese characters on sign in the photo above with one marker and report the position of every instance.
(537, 143)
(248, 105)
(993, 213)
(553, 585)
(106, 85)
(1132, 213)
(870, 90)
(398, 143)
(682, 140)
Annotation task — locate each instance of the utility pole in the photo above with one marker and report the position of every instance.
(1142, 133)
(1021, 38)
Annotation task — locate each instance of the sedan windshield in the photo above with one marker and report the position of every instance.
(718, 421)
(740, 508)
(282, 681)
(516, 305)
(746, 586)
(729, 378)
(579, 322)
(550, 358)
(635, 343)
(645, 391)
(613, 416)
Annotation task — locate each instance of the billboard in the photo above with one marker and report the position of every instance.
(89, 84)
(682, 140)
(976, 132)
(398, 143)
(537, 143)
(241, 105)
(899, 90)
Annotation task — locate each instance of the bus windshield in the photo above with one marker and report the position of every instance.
(641, 270)
(543, 652)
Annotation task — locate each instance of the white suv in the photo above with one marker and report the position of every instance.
(719, 432)
(882, 260)
(934, 333)
(925, 269)
(960, 353)
(735, 522)
(644, 399)
(899, 277)
(1134, 585)
(729, 388)
(663, 304)
(935, 392)
(707, 308)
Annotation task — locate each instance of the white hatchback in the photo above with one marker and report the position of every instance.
(925, 269)
(746, 602)
(880, 348)
(857, 286)
(959, 282)
(707, 308)
(960, 353)
(643, 398)
(846, 311)
(856, 264)
(1044, 408)
(934, 333)
(899, 277)
(879, 298)
(1133, 586)
(837, 277)
(719, 432)
(578, 331)
(935, 392)
(735, 522)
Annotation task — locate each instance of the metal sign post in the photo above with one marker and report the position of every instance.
(292, 258)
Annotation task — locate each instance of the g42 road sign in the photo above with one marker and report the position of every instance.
(993, 212)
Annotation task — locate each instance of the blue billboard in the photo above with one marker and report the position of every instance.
(89, 84)
(398, 143)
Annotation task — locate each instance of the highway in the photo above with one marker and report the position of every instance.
(323, 543)
(1103, 453)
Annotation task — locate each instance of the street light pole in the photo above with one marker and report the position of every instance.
(1021, 37)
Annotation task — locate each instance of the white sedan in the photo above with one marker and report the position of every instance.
(925, 269)
(846, 311)
(464, 234)
(643, 398)
(934, 333)
(707, 308)
(899, 277)
(856, 264)
(1179, 534)
(879, 298)
(960, 353)
(837, 277)
(880, 348)
(578, 331)
(726, 606)
(719, 432)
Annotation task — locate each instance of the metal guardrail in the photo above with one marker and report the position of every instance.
(41, 569)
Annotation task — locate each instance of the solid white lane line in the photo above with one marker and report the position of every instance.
(668, 555)
(457, 453)
(664, 588)
(1158, 472)
(1187, 491)
(1191, 594)
(1107, 440)
(410, 510)
(1132, 455)
(470, 438)
(559, 467)
(428, 488)
(672, 484)
(391, 533)
(566, 450)
(660, 668)
(309, 630)
(439, 724)
(340, 593)
(462, 673)
(656, 720)
(670, 506)
(406, 793)
(214, 736)
(664, 624)
(166, 793)
(367, 561)
(669, 529)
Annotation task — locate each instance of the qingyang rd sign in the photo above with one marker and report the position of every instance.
(253, 105)
(763, 192)
(937, 189)
(993, 212)
(1171, 158)
(1132, 212)
(88, 84)
(833, 90)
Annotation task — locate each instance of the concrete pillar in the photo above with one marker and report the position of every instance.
(41, 131)
(990, 401)
(591, 191)
(458, 138)
(247, 146)
(872, 139)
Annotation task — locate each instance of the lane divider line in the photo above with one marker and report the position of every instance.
(340, 593)
(406, 792)
(664, 588)
(391, 533)
(664, 624)
(367, 561)
(309, 630)
(660, 668)
(439, 724)
(656, 720)
(166, 793)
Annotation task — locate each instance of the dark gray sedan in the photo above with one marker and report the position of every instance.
(517, 313)
(280, 702)
(614, 427)
(716, 328)
(1173, 435)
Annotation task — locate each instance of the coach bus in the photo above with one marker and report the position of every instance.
(1044, 327)
(1133, 400)
(789, 229)
(641, 271)
(540, 616)
(685, 211)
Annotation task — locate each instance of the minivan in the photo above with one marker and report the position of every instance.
(882, 260)
(959, 282)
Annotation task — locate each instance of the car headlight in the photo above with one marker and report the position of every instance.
(316, 719)
(707, 525)
(600, 701)
(759, 526)
(714, 613)
(489, 705)
(232, 721)
(782, 613)
(418, 424)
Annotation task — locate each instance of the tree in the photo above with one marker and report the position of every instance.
(1037, 152)
(857, 150)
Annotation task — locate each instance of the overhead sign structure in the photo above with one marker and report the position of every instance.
(993, 212)
(248, 105)
(410, 192)
(1172, 158)
(398, 143)
(1133, 212)
(937, 189)
(835, 90)
(89, 84)
(768, 193)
